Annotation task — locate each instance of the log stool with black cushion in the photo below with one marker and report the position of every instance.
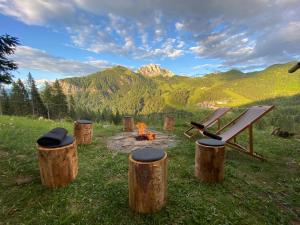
(128, 123)
(209, 160)
(83, 131)
(147, 180)
(57, 154)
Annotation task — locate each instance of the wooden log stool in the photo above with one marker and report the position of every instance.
(147, 180)
(209, 160)
(169, 123)
(83, 131)
(128, 123)
(58, 165)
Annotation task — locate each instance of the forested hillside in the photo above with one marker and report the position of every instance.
(123, 90)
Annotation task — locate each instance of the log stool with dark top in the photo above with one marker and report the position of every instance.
(58, 164)
(169, 123)
(83, 131)
(128, 123)
(209, 160)
(147, 180)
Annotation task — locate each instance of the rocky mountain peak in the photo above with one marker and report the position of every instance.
(153, 70)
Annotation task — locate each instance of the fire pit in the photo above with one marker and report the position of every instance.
(143, 134)
(143, 137)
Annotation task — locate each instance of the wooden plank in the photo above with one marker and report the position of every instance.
(244, 150)
(250, 144)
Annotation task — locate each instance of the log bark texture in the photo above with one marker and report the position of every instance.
(83, 133)
(147, 184)
(128, 123)
(58, 166)
(209, 163)
(169, 123)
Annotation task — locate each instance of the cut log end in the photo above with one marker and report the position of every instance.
(147, 182)
(58, 166)
(83, 133)
(169, 123)
(128, 123)
(209, 163)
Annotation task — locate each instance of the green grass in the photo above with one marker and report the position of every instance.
(253, 192)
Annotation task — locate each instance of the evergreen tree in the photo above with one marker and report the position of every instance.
(20, 99)
(71, 107)
(59, 101)
(7, 47)
(48, 99)
(4, 102)
(15, 98)
(117, 118)
(107, 115)
(37, 105)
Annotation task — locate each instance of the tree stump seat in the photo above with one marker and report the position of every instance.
(58, 165)
(169, 123)
(209, 160)
(83, 131)
(147, 180)
(128, 123)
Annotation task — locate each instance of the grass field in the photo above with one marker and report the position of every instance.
(253, 192)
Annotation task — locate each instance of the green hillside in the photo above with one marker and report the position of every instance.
(121, 89)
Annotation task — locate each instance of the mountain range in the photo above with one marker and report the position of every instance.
(154, 89)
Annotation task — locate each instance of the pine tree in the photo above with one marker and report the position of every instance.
(7, 47)
(4, 102)
(71, 107)
(25, 95)
(107, 115)
(59, 100)
(37, 105)
(117, 118)
(20, 99)
(48, 99)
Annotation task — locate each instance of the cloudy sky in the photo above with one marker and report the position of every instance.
(75, 37)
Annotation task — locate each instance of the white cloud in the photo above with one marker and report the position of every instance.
(179, 26)
(232, 31)
(207, 66)
(37, 12)
(32, 58)
(40, 82)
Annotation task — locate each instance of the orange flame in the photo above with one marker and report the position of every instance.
(150, 136)
(141, 128)
(142, 131)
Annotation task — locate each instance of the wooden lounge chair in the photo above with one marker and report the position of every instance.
(207, 122)
(229, 132)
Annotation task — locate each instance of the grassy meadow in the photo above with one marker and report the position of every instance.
(253, 192)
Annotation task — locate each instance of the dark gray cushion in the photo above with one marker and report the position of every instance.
(147, 154)
(53, 138)
(211, 142)
(66, 141)
(84, 121)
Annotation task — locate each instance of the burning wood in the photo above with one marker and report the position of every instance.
(144, 135)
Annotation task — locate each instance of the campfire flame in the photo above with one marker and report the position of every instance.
(143, 133)
(141, 128)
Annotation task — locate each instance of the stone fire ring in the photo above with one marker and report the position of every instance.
(125, 142)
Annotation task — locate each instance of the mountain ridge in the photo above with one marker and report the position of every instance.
(154, 70)
(122, 89)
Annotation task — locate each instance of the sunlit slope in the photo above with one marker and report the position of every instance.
(121, 89)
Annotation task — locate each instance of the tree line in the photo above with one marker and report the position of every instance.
(24, 99)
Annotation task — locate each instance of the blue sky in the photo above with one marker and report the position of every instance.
(63, 38)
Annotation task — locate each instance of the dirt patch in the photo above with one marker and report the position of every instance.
(22, 180)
